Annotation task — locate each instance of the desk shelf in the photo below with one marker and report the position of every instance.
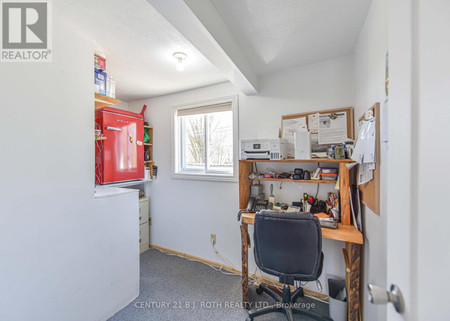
(345, 233)
(313, 160)
(290, 180)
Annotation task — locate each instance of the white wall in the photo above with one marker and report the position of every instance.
(63, 255)
(370, 54)
(431, 102)
(122, 105)
(186, 212)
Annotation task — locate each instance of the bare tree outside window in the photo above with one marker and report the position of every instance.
(195, 141)
(207, 142)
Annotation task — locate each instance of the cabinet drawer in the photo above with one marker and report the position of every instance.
(144, 238)
(144, 210)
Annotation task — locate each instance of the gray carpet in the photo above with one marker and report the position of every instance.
(174, 288)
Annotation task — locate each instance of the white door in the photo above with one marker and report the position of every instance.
(418, 259)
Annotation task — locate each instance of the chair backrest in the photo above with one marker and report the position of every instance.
(288, 245)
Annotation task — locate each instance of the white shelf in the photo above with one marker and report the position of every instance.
(129, 183)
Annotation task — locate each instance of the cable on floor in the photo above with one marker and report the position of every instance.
(221, 269)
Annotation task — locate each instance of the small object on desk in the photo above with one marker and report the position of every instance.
(298, 204)
(255, 189)
(329, 177)
(261, 196)
(349, 146)
(306, 175)
(306, 205)
(267, 175)
(319, 155)
(261, 205)
(298, 174)
(255, 205)
(253, 175)
(328, 224)
(302, 145)
(284, 206)
(330, 151)
(328, 170)
(293, 208)
(333, 205)
(339, 152)
(271, 197)
(285, 175)
(318, 206)
(316, 174)
(322, 215)
(326, 221)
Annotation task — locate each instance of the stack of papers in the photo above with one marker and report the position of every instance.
(365, 151)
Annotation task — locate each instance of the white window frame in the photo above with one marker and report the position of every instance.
(175, 132)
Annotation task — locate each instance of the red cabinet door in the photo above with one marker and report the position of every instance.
(123, 150)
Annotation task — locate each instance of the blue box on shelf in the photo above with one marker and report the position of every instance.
(100, 81)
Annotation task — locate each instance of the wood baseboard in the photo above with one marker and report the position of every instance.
(259, 278)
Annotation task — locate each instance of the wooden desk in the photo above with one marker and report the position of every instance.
(345, 233)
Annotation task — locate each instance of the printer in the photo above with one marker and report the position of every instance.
(271, 149)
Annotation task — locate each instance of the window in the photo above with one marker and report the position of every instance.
(205, 140)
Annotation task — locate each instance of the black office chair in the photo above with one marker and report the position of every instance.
(288, 245)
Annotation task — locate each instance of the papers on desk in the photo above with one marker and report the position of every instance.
(355, 206)
(290, 126)
(365, 151)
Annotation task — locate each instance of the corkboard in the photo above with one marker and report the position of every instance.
(349, 111)
(370, 192)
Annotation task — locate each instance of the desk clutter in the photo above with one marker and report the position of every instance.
(320, 173)
(327, 211)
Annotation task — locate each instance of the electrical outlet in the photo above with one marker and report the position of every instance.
(213, 239)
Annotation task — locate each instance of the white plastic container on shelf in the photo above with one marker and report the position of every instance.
(111, 87)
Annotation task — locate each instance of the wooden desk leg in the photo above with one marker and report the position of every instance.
(244, 255)
(353, 280)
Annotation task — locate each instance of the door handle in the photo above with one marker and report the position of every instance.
(379, 295)
(113, 128)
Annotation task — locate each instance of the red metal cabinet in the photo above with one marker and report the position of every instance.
(122, 156)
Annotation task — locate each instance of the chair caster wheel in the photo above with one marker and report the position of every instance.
(249, 319)
(259, 291)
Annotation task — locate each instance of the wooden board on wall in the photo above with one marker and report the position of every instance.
(348, 110)
(370, 192)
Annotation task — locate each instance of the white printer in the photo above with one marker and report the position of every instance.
(272, 149)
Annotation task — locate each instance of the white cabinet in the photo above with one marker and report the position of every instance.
(144, 231)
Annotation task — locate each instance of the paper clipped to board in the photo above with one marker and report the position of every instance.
(365, 151)
(332, 128)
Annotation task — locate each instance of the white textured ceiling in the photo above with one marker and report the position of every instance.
(139, 44)
(281, 34)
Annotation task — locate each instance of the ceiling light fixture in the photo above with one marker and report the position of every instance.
(180, 57)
